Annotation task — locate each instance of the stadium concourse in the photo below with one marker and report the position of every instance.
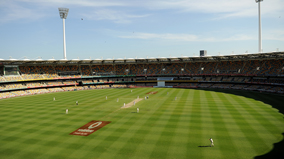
(263, 72)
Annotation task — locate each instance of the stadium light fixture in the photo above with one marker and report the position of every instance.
(145, 71)
(63, 12)
(259, 26)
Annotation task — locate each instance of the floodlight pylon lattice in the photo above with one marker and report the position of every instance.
(63, 12)
(259, 26)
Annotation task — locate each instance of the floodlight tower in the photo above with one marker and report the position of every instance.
(63, 12)
(259, 26)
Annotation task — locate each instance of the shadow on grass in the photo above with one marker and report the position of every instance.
(204, 146)
(276, 101)
(276, 152)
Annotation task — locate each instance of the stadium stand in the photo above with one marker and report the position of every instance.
(271, 67)
(137, 69)
(252, 67)
(86, 70)
(256, 74)
(192, 68)
(208, 68)
(103, 69)
(153, 68)
(13, 78)
(121, 69)
(47, 71)
(229, 67)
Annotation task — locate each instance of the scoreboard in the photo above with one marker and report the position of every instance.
(11, 70)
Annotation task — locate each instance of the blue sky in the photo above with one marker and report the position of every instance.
(136, 28)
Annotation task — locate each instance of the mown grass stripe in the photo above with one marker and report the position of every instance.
(38, 126)
(236, 135)
(165, 138)
(149, 136)
(149, 121)
(179, 139)
(265, 111)
(115, 132)
(194, 128)
(127, 146)
(208, 124)
(257, 129)
(251, 135)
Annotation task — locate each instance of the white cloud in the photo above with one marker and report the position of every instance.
(224, 8)
(29, 9)
(78, 3)
(112, 15)
(13, 12)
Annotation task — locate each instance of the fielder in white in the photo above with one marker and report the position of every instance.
(124, 105)
(66, 111)
(211, 140)
(53, 98)
(137, 110)
(106, 97)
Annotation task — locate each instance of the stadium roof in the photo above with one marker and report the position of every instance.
(243, 57)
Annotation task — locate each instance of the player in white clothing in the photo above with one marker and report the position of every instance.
(53, 98)
(137, 110)
(66, 111)
(211, 140)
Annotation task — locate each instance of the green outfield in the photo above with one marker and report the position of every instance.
(241, 127)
